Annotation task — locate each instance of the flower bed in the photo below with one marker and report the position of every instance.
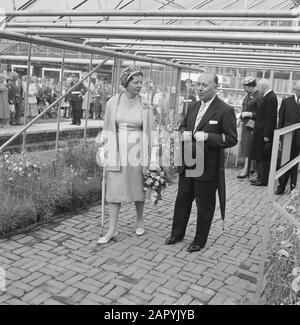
(35, 192)
(32, 192)
(282, 270)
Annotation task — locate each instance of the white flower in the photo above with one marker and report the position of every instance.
(296, 271)
(290, 209)
(283, 253)
(286, 244)
(281, 228)
(296, 284)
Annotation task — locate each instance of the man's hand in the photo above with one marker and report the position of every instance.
(266, 139)
(187, 136)
(201, 136)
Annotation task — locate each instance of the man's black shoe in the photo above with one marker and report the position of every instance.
(194, 247)
(173, 240)
(279, 191)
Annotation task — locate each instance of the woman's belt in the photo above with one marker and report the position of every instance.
(128, 127)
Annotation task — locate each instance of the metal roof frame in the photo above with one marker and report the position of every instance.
(223, 28)
(245, 40)
(86, 49)
(159, 13)
(183, 36)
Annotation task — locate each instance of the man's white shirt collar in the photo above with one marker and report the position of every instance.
(296, 98)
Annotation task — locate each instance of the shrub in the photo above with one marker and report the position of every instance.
(16, 212)
(31, 191)
(85, 192)
(81, 158)
(282, 267)
(54, 192)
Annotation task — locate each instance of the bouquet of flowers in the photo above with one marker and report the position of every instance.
(155, 180)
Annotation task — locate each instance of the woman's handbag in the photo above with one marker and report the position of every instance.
(101, 156)
(250, 124)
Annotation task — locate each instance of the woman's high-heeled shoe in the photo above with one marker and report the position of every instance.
(140, 231)
(104, 240)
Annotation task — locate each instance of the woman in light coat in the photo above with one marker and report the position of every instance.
(127, 134)
(4, 108)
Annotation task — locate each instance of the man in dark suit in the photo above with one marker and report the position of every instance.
(16, 94)
(211, 123)
(263, 133)
(289, 114)
(76, 100)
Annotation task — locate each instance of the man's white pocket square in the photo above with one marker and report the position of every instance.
(213, 122)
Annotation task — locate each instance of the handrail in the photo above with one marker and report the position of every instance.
(274, 174)
(50, 106)
(287, 129)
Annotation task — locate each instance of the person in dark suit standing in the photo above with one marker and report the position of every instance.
(76, 100)
(211, 123)
(265, 125)
(247, 118)
(289, 114)
(16, 95)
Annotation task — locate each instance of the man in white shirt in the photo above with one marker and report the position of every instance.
(212, 123)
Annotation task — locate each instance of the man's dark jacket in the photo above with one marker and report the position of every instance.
(219, 121)
(289, 114)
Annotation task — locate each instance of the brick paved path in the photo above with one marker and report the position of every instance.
(61, 263)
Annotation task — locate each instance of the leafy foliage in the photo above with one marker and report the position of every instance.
(31, 191)
(282, 272)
